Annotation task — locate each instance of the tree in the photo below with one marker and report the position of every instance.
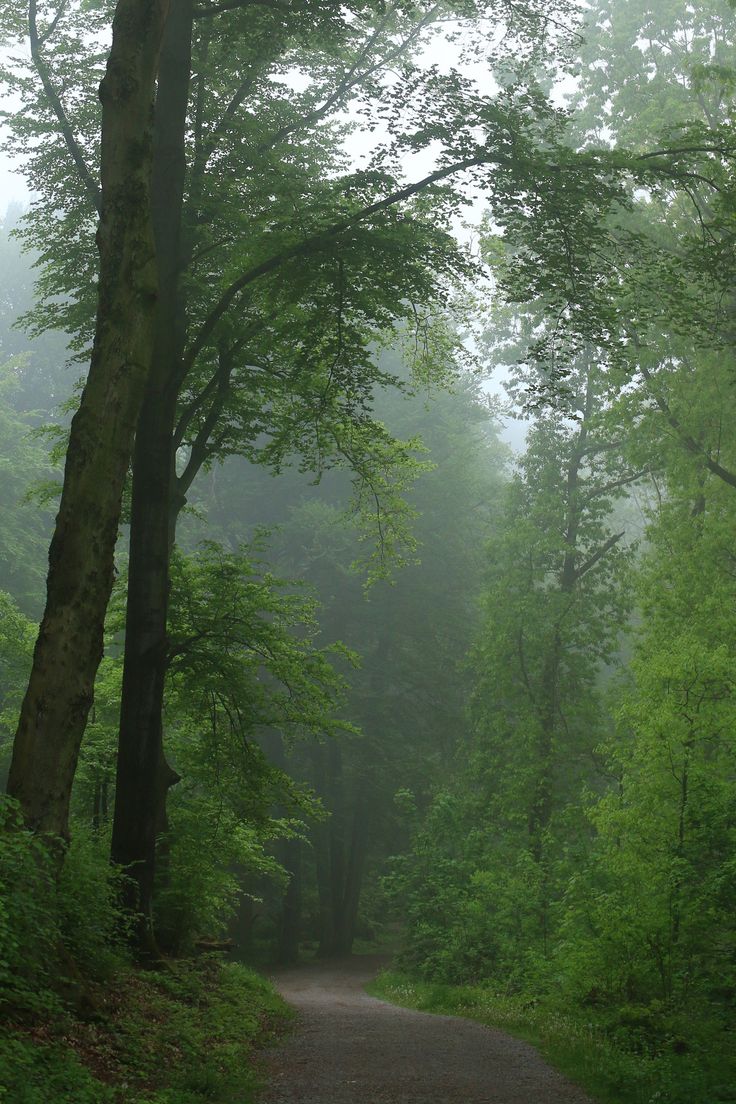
(69, 646)
(409, 692)
(215, 344)
(554, 603)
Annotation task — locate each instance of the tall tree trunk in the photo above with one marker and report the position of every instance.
(291, 906)
(321, 844)
(540, 812)
(143, 775)
(81, 558)
(335, 794)
(348, 911)
(326, 931)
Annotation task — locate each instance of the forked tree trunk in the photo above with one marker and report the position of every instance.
(70, 641)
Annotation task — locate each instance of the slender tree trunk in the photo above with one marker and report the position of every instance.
(81, 558)
(321, 842)
(291, 906)
(340, 864)
(326, 933)
(348, 913)
(143, 775)
(96, 804)
(540, 812)
(336, 805)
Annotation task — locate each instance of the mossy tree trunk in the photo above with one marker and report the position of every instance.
(143, 775)
(81, 566)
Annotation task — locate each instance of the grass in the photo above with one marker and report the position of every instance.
(585, 1050)
(184, 1035)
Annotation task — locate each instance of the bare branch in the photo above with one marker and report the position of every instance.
(198, 452)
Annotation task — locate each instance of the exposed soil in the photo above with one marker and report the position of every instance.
(348, 1047)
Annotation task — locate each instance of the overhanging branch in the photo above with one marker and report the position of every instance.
(74, 149)
(233, 5)
(322, 237)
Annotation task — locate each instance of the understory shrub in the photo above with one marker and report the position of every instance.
(50, 926)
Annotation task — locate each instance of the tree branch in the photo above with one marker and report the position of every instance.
(352, 77)
(322, 237)
(624, 481)
(236, 101)
(48, 33)
(233, 5)
(594, 559)
(678, 151)
(198, 452)
(522, 664)
(190, 410)
(689, 442)
(74, 149)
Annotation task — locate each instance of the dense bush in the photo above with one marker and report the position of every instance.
(49, 1073)
(29, 925)
(51, 926)
(181, 1036)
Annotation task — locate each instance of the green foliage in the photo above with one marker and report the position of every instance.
(243, 637)
(206, 1019)
(182, 1036)
(23, 525)
(600, 1055)
(91, 925)
(244, 669)
(29, 929)
(568, 821)
(490, 859)
(46, 1073)
(17, 635)
(53, 924)
(585, 856)
(211, 851)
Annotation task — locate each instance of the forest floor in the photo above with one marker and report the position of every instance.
(349, 1047)
(187, 1034)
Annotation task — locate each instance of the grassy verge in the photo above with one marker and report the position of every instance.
(587, 1052)
(181, 1036)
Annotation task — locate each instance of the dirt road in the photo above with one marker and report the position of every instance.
(349, 1048)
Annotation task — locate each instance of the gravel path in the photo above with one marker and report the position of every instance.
(349, 1048)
